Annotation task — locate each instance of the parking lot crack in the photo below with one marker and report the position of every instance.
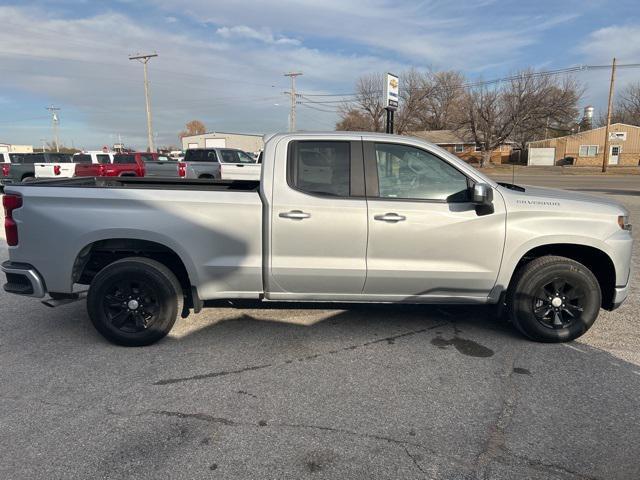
(223, 373)
(197, 416)
(494, 446)
(414, 459)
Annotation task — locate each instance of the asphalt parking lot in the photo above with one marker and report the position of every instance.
(352, 392)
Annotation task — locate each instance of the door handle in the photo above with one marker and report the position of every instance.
(390, 217)
(294, 215)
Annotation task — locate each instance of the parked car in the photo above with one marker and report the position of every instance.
(358, 217)
(208, 163)
(27, 167)
(123, 165)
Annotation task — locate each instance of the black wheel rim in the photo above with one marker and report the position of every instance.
(131, 306)
(558, 303)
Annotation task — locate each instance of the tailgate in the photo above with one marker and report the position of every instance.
(54, 170)
(240, 171)
(161, 169)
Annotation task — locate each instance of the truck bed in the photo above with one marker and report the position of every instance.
(156, 183)
(215, 228)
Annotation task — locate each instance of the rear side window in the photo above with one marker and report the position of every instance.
(124, 159)
(321, 168)
(32, 158)
(82, 158)
(200, 156)
(103, 158)
(59, 158)
(15, 157)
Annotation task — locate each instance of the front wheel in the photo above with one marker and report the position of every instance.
(554, 299)
(134, 301)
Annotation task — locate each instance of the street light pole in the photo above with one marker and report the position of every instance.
(144, 59)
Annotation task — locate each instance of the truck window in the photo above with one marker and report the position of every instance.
(320, 167)
(82, 158)
(59, 158)
(103, 158)
(200, 156)
(32, 158)
(147, 157)
(235, 156)
(410, 173)
(124, 159)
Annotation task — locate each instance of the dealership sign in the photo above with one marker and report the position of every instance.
(390, 94)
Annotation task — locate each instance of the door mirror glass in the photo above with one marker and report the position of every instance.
(482, 194)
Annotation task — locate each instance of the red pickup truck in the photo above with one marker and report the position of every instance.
(124, 165)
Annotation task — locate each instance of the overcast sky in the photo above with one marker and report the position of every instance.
(223, 62)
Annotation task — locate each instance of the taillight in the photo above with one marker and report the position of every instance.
(10, 203)
(182, 169)
(56, 169)
(6, 169)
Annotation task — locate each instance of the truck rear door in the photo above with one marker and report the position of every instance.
(318, 235)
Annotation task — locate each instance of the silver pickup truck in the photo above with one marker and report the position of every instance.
(336, 217)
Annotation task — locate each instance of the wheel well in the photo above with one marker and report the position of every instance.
(95, 256)
(206, 175)
(595, 260)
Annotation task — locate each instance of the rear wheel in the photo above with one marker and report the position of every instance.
(554, 299)
(134, 301)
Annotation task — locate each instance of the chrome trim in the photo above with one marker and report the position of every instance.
(36, 282)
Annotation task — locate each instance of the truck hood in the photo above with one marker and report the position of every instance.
(541, 194)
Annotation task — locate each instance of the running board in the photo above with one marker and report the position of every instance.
(70, 298)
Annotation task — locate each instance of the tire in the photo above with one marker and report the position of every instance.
(134, 301)
(543, 316)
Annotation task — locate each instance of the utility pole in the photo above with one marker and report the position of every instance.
(54, 124)
(294, 99)
(605, 156)
(144, 59)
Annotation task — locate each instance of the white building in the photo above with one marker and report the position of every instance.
(244, 141)
(11, 148)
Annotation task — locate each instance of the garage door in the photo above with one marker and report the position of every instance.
(215, 143)
(542, 156)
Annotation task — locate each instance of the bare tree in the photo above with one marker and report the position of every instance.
(354, 120)
(194, 127)
(444, 104)
(428, 101)
(522, 107)
(627, 107)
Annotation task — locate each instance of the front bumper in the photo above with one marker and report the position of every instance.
(620, 295)
(23, 279)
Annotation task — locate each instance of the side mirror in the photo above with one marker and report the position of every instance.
(482, 194)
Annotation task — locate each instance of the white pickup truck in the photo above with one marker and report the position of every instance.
(336, 217)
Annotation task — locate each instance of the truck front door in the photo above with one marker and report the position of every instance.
(318, 236)
(426, 239)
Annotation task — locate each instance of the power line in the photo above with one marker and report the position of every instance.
(54, 124)
(479, 83)
(292, 93)
(144, 59)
